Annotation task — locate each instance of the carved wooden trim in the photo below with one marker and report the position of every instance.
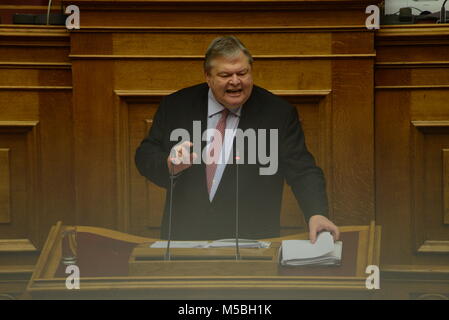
(201, 57)
(23, 7)
(412, 35)
(50, 248)
(16, 245)
(36, 87)
(221, 5)
(35, 65)
(236, 29)
(418, 269)
(432, 87)
(19, 124)
(432, 123)
(130, 94)
(432, 246)
(34, 36)
(412, 65)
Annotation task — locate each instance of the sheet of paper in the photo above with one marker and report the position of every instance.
(180, 244)
(243, 243)
(304, 249)
(223, 243)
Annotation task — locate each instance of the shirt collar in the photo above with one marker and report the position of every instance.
(214, 107)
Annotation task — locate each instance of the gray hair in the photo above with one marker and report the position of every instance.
(226, 46)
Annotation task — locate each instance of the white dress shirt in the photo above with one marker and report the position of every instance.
(214, 109)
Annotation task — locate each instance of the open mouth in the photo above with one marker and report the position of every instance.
(234, 91)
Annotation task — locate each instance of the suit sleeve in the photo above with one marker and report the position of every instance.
(305, 178)
(151, 156)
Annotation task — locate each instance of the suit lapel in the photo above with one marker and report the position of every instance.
(250, 116)
(199, 113)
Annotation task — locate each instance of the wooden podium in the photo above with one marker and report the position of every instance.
(103, 258)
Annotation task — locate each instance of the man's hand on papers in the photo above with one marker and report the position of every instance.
(318, 223)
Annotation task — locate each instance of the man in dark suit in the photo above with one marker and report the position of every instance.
(205, 192)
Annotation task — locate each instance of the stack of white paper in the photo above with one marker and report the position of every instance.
(224, 243)
(303, 252)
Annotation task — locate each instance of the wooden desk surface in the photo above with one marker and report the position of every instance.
(103, 262)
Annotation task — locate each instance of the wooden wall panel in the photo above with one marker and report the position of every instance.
(193, 43)
(36, 127)
(429, 139)
(5, 186)
(95, 119)
(353, 141)
(411, 123)
(21, 138)
(143, 201)
(287, 74)
(223, 14)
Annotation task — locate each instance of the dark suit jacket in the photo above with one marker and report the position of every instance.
(194, 216)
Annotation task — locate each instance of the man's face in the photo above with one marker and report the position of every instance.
(230, 80)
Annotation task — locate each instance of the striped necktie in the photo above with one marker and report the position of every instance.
(212, 167)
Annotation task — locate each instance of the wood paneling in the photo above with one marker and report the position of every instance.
(353, 141)
(411, 125)
(21, 138)
(5, 188)
(36, 127)
(429, 139)
(94, 116)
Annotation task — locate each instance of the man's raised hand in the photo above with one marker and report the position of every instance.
(180, 157)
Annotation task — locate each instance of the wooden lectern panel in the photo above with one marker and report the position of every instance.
(103, 256)
(146, 261)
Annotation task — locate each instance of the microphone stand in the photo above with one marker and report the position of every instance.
(172, 177)
(443, 12)
(237, 248)
(48, 12)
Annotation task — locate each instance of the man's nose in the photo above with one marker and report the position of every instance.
(235, 79)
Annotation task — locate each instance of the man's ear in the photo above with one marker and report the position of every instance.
(208, 77)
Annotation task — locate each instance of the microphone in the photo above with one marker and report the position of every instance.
(443, 12)
(237, 248)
